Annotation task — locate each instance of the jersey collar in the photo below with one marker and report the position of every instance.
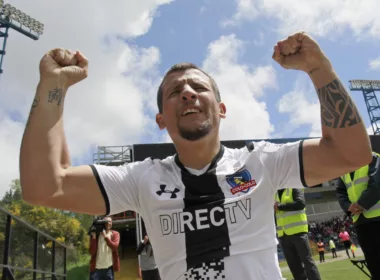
(218, 157)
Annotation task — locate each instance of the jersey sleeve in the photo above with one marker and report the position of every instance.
(119, 185)
(284, 164)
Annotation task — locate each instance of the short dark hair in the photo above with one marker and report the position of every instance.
(183, 67)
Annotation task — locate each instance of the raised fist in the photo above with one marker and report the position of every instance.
(64, 65)
(300, 52)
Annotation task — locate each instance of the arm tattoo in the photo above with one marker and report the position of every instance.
(35, 103)
(55, 95)
(337, 108)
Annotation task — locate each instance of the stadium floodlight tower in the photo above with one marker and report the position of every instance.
(10, 17)
(369, 88)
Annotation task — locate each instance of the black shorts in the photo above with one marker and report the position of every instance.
(150, 274)
(347, 244)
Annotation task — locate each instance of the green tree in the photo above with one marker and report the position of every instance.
(13, 194)
(66, 227)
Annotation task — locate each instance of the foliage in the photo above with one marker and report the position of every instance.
(65, 227)
(80, 269)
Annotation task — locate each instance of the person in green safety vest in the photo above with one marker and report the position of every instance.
(332, 248)
(292, 232)
(359, 196)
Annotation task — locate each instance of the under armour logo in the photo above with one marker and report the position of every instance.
(173, 192)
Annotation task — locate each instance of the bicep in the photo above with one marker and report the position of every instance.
(96, 190)
(79, 192)
(323, 162)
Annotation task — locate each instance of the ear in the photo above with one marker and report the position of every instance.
(222, 110)
(160, 121)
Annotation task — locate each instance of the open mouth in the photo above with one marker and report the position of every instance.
(190, 112)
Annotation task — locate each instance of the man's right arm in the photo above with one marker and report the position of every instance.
(371, 195)
(46, 175)
(140, 247)
(342, 195)
(297, 204)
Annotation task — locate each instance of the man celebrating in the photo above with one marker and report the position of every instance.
(104, 255)
(208, 209)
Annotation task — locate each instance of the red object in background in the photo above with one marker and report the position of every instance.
(124, 215)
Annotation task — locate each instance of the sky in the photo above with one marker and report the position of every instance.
(131, 44)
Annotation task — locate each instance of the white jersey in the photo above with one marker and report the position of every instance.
(214, 225)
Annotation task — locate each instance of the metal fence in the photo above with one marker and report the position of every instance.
(29, 253)
(331, 207)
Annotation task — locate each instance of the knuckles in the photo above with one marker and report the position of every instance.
(64, 64)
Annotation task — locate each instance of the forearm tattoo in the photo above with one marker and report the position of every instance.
(55, 95)
(337, 108)
(35, 103)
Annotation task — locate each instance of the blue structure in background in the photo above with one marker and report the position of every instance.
(368, 87)
(10, 17)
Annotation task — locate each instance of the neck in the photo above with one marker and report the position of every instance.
(197, 154)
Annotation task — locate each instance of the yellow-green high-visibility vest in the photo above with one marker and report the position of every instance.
(290, 222)
(356, 187)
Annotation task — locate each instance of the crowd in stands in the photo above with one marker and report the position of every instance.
(330, 229)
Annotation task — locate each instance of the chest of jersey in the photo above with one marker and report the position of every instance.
(206, 215)
(230, 187)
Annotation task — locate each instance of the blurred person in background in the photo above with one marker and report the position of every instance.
(149, 269)
(292, 232)
(332, 248)
(359, 196)
(321, 251)
(104, 253)
(345, 238)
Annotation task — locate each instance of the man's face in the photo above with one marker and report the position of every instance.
(109, 223)
(190, 108)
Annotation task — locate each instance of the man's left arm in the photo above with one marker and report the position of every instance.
(297, 204)
(371, 195)
(114, 241)
(344, 145)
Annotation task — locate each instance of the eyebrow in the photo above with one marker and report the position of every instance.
(175, 84)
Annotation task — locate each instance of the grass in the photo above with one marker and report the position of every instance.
(315, 257)
(338, 270)
(79, 270)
